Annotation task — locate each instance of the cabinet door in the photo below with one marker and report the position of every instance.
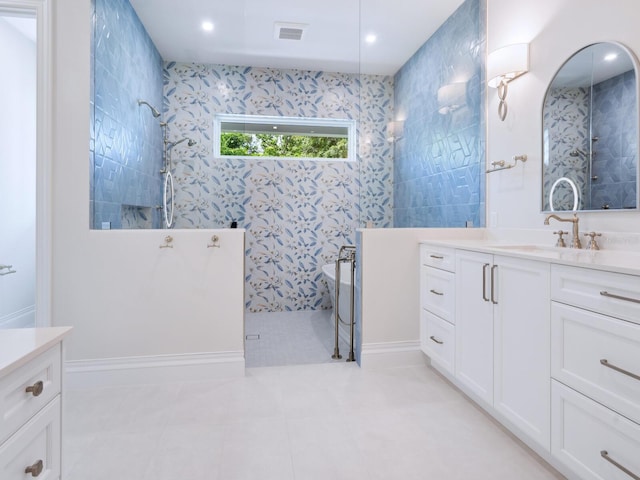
(474, 324)
(522, 345)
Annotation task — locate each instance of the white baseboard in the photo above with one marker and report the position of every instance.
(20, 319)
(190, 367)
(391, 354)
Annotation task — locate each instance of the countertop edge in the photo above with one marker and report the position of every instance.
(583, 258)
(41, 340)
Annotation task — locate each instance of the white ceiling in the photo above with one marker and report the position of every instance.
(333, 40)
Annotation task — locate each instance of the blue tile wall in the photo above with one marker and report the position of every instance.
(439, 160)
(615, 123)
(126, 140)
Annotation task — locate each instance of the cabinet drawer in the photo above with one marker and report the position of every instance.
(592, 289)
(38, 440)
(583, 430)
(438, 257)
(580, 340)
(437, 292)
(17, 405)
(438, 340)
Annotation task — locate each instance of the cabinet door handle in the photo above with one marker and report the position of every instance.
(35, 469)
(436, 293)
(606, 363)
(437, 257)
(618, 297)
(35, 389)
(604, 454)
(439, 342)
(484, 282)
(493, 288)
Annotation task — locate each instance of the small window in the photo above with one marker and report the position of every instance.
(289, 138)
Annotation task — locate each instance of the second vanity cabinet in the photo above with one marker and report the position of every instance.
(595, 358)
(552, 351)
(30, 403)
(502, 337)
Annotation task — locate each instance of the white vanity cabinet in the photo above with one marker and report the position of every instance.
(474, 322)
(437, 305)
(30, 403)
(595, 318)
(493, 342)
(502, 337)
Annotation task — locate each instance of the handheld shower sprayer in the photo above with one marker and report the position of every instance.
(189, 141)
(154, 111)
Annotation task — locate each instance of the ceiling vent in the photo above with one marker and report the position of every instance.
(289, 31)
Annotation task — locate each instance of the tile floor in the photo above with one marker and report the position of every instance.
(323, 421)
(290, 338)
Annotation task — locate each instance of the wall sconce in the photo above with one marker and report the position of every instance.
(503, 66)
(451, 97)
(394, 130)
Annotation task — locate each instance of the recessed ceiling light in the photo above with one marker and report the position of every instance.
(611, 57)
(207, 26)
(371, 38)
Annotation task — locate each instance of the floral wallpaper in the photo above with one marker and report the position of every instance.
(566, 121)
(297, 213)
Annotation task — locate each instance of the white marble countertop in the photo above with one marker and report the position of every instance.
(609, 260)
(20, 345)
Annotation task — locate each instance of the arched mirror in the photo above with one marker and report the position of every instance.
(590, 132)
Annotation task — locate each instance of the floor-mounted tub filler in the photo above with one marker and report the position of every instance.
(340, 278)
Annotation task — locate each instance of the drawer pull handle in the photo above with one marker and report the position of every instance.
(439, 342)
(619, 297)
(484, 282)
(606, 363)
(35, 389)
(35, 469)
(493, 287)
(436, 293)
(437, 257)
(604, 454)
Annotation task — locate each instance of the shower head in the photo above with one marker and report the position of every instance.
(154, 111)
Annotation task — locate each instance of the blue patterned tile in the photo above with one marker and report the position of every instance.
(440, 149)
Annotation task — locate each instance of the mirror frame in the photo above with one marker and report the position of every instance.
(636, 66)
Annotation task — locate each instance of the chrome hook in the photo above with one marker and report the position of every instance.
(214, 242)
(167, 242)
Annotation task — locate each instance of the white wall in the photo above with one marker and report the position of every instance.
(17, 176)
(123, 295)
(391, 281)
(555, 30)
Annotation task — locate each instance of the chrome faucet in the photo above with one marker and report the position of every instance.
(575, 240)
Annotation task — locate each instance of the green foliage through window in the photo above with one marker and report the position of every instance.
(270, 145)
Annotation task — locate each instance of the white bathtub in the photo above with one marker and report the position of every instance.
(344, 308)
